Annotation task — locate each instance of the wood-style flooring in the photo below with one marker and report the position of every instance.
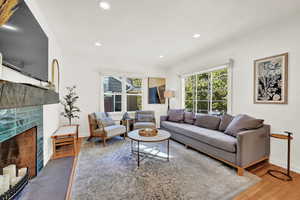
(270, 188)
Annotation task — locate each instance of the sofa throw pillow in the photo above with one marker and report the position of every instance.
(176, 115)
(104, 119)
(144, 117)
(225, 121)
(189, 117)
(243, 123)
(207, 121)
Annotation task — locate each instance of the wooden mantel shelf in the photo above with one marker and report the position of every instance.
(15, 95)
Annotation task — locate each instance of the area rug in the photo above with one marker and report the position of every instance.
(111, 173)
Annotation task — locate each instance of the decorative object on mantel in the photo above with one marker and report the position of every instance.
(156, 90)
(70, 110)
(169, 94)
(271, 80)
(273, 173)
(52, 85)
(16, 95)
(7, 9)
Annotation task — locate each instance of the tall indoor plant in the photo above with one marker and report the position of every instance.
(70, 110)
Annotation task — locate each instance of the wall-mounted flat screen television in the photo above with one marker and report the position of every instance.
(24, 45)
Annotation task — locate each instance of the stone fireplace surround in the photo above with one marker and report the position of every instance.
(21, 121)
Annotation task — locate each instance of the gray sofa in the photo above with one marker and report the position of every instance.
(247, 148)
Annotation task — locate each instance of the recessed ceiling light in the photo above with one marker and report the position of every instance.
(161, 56)
(9, 27)
(98, 44)
(196, 35)
(104, 5)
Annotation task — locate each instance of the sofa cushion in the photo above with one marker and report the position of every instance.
(225, 121)
(115, 130)
(139, 125)
(176, 115)
(242, 123)
(189, 117)
(207, 121)
(214, 138)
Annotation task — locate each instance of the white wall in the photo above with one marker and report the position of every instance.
(277, 38)
(88, 86)
(50, 112)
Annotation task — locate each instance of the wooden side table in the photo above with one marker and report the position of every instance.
(65, 141)
(127, 123)
(275, 173)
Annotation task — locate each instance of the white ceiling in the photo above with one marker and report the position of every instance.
(135, 32)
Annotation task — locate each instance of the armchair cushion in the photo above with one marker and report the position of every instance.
(115, 130)
(145, 118)
(139, 125)
(104, 119)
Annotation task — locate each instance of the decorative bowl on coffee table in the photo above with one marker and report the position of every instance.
(148, 132)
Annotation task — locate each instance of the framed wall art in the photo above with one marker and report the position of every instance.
(271, 80)
(156, 90)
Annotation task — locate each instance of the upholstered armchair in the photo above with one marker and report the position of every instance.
(101, 125)
(144, 119)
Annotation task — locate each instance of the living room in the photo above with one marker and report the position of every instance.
(149, 100)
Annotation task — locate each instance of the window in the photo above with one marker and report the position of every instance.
(134, 94)
(112, 94)
(207, 92)
(122, 94)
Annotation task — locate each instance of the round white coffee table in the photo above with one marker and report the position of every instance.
(161, 136)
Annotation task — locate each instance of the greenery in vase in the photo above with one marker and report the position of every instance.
(70, 110)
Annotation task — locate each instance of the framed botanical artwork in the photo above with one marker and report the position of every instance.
(156, 89)
(271, 80)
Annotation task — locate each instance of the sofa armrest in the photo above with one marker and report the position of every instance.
(253, 145)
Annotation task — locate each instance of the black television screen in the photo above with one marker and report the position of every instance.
(24, 45)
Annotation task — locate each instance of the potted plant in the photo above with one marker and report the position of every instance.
(70, 110)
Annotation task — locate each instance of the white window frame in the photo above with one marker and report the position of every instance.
(123, 93)
(229, 87)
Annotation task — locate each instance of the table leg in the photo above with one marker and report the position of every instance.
(168, 149)
(138, 148)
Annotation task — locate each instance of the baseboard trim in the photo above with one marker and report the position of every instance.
(284, 165)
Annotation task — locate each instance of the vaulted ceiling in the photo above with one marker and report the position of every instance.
(134, 33)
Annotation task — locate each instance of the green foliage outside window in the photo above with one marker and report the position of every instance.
(207, 92)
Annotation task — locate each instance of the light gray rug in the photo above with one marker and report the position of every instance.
(111, 173)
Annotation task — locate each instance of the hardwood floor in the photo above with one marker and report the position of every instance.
(270, 188)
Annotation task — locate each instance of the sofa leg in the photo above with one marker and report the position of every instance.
(240, 171)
